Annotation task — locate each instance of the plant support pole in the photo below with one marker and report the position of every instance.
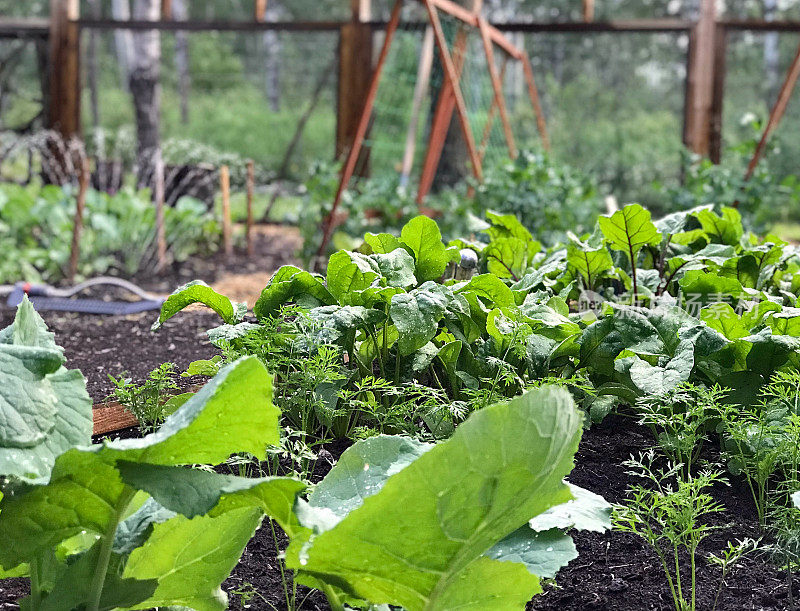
(537, 105)
(77, 227)
(777, 113)
(497, 85)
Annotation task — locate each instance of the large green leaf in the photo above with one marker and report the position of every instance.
(233, 412)
(174, 559)
(542, 553)
(723, 229)
(45, 408)
(190, 558)
(658, 379)
(198, 291)
(349, 273)
(421, 234)
(702, 288)
(625, 329)
(338, 322)
(291, 284)
(591, 263)
(397, 267)
(502, 467)
(630, 229)
(382, 243)
(417, 314)
(506, 226)
(509, 257)
(362, 471)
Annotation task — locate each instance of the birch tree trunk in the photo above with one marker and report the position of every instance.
(123, 40)
(180, 13)
(271, 43)
(771, 55)
(146, 89)
(91, 66)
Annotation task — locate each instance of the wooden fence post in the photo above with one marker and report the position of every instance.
(355, 75)
(588, 10)
(251, 184)
(718, 94)
(225, 187)
(260, 10)
(700, 81)
(64, 104)
(77, 226)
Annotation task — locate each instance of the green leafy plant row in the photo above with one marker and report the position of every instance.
(636, 307)
(131, 525)
(119, 231)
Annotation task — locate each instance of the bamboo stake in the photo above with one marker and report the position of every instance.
(487, 129)
(158, 192)
(225, 187)
(534, 95)
(452, 75)
(77, 226)
(251, 183)
(441, 121)
(588, 10)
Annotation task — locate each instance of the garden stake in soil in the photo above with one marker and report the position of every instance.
(78, 224)
(251, 179)
(225, 187)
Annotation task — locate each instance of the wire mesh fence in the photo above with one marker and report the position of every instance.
(613, 102)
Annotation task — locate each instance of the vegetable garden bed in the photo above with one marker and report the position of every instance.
(427, 407)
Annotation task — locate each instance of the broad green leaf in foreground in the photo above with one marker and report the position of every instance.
(502, 467)
(198, 291)
(168, 559)
(190, 558)
(44, 407)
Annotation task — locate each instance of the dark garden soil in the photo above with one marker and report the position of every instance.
(103, 345)
(616, 572)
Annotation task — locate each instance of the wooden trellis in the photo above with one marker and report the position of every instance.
(450, 100)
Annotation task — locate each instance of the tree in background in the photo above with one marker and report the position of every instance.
(143, 81)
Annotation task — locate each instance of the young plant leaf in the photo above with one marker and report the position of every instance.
(290, 283)
(417, 314)
(421, 234)
(591, 263)
(350, 273)
(198, 291)
(630, 229)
